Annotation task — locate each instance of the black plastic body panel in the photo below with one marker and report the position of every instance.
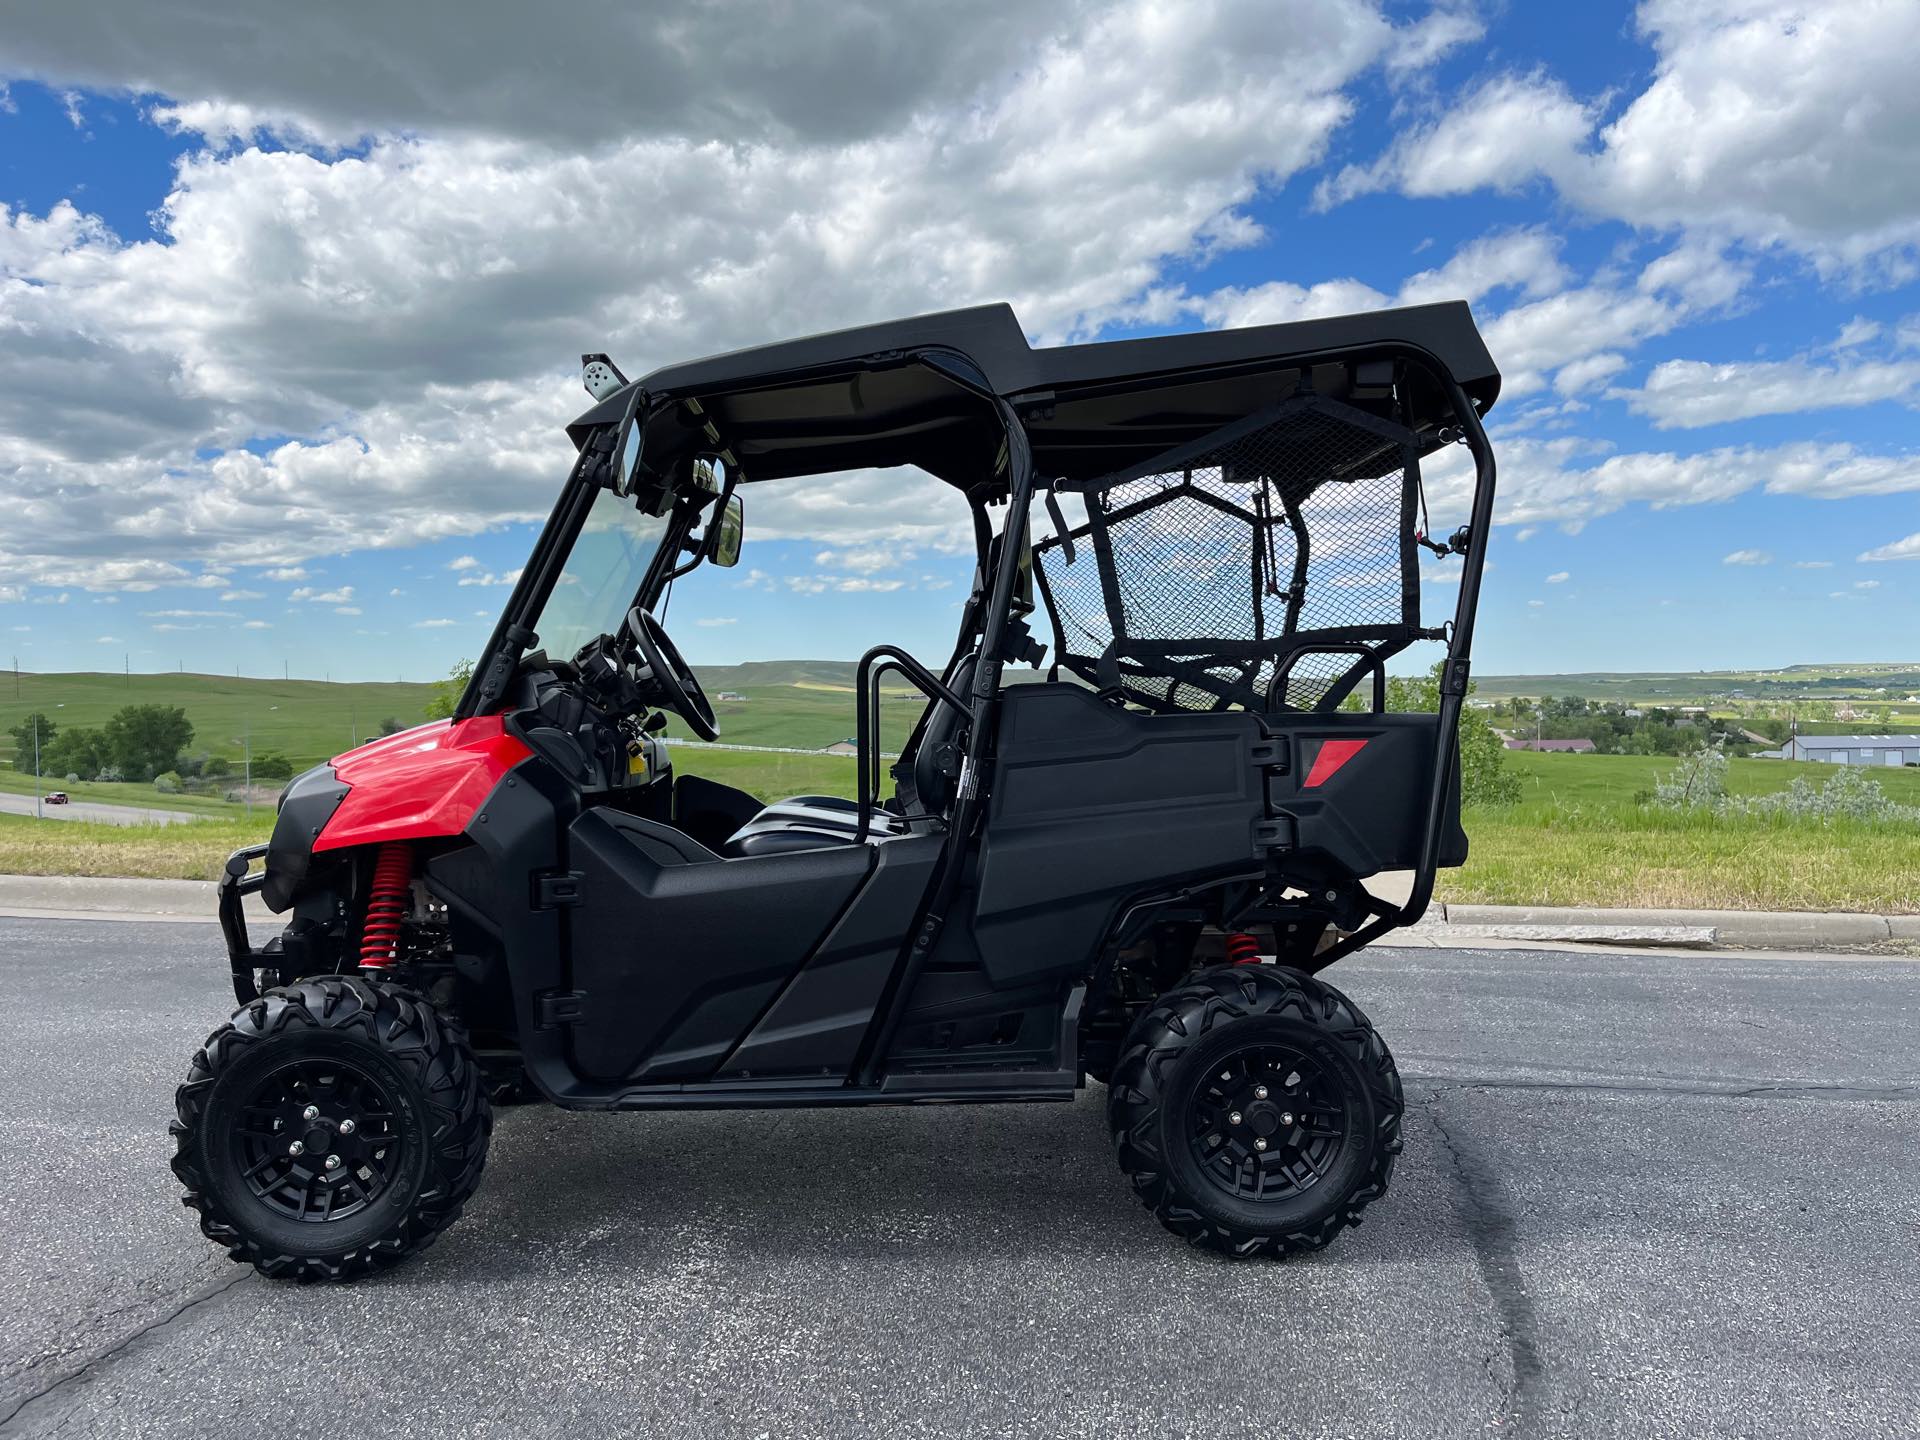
(816, 1025)
(1370, 813)
(1092, 805)
(306, 805)
(678, 956)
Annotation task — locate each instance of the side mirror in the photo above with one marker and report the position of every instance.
(626, 457)
(729, 530)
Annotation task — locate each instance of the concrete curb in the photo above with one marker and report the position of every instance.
(63, 897)
(1731, 929)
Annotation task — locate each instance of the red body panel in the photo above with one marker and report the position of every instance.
(423, 782)
(1328, 759)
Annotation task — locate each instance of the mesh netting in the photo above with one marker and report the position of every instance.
(1195, 576)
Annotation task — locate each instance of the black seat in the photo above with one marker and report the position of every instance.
(808, 822)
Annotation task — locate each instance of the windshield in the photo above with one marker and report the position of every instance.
(609, 560)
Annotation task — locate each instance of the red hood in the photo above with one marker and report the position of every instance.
(424, 782)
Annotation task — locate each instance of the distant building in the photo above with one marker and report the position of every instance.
(730, 695)
(1555, 747)
(841, 747)
(1850, 749)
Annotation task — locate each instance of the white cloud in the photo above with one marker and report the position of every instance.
(711, 622)
(235, 595)
(1767, 120)
(485, 577)
(184, 614)
(1588, 373)
(1748, 557)
(1570, 481)
(1686, 394)
(1813, 564)
(1857, 331)
(435, 298)
(346, 609)
(433, 624)
(339, 596)
(1866, 584)
(464, 562)
(1559, 577)
(108, 640)
(285, 572)
(865, 559)
(1907, 549)
(255, 625)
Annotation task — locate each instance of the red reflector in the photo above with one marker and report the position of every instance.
(1330, 757)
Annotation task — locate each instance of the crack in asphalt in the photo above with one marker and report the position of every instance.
(1763, 1090)
(160, 1322)
(1495, 1238)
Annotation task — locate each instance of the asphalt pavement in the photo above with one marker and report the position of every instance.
(14, 804)
(1642, 1195)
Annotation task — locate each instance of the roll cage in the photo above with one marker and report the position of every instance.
(1124, 427)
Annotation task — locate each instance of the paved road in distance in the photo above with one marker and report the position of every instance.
(1641, 1195)
(12, 804)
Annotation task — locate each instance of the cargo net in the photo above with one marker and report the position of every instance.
(1279, 546)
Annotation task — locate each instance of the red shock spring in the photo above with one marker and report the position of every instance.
(1242, 948)
(386, 906)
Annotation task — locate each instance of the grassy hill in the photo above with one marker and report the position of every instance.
(1881, 682)
(804, 704)
(305, 720)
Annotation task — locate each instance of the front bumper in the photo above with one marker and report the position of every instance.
(236, 883)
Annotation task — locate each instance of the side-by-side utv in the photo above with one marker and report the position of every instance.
(1132, 824)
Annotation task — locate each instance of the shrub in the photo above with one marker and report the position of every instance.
(1698, 784)
(1484, 777)
(167, 782)
(216, 766)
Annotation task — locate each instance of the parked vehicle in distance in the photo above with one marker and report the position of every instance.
(1131, 868)
(57, 797)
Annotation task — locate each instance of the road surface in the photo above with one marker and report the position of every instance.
(13, 804)
(1641, 1195)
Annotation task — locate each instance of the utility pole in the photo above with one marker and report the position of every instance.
(248, 781)
(38, 813)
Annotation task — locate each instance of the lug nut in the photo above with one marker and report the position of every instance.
(347, 1127)
(1286, 1117)
(1259, 1092)
(333, 1162)
(296, 1148)
(1259, 1143)
(1234, 1118)
(312, 1112)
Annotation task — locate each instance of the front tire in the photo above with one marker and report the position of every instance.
(1256, 1111)
(331, 1128)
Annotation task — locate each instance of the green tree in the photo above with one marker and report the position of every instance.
(1484, 777)
(446, 693)
(76, 752)
(23, 740)
(216, 766)
(272, 766)
(143, 740)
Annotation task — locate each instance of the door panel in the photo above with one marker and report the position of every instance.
(1091, 805)
(1357, 787)
(678, 951)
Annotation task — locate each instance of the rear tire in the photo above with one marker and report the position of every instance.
(331, 1128)
(1256, 1111)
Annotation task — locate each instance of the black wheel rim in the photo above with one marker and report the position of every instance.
(1268, 1122)
(317, 1140)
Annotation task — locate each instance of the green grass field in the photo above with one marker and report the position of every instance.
(1579, 835)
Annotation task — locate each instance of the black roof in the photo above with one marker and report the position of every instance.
(907, 392)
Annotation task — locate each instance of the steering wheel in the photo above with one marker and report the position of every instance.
(681, 692)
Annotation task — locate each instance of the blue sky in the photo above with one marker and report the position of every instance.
(284, 357)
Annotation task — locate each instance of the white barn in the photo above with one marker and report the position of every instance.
(1852, 749)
